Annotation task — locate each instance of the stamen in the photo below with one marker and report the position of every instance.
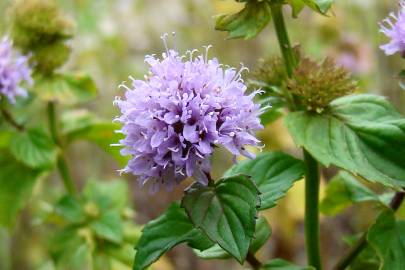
(207, 48)
(122, 85)
(175, 41)
(164, 38)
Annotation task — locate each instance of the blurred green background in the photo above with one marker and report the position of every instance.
(112, 38)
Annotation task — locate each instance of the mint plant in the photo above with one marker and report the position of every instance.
(171, 122)
(362, 134)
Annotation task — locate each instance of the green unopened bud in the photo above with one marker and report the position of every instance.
(270, 71)
(38, 27)
(47, 59)
(92, 210)
(128, 213)
(316, 85)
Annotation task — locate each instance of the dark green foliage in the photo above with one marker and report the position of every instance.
(363, 134)
(387, 237)
(274, 174)
(165, 232)
(280, 264)
(226, 212)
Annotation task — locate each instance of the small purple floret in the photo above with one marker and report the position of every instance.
(14, 70)
(174, 118)
(394, 28)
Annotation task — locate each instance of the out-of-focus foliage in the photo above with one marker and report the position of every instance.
(94, 230)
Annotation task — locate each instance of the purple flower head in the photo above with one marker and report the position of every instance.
(185, 106)
(14, 70)
(394, 28)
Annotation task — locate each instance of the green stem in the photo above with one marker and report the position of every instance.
(253, 261)
(287, 51)
(282, 36)
(312, 179)
(312, 239)
(10, 119)
(361, 244)
(61, 163)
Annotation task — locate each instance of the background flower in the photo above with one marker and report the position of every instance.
(14, 70)
(394, 28)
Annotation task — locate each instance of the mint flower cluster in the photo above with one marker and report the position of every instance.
(394, 28)
(14, 70)
(173, 119)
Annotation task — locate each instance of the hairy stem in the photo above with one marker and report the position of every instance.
(253, 261)
(61, 163)
(283, 39)
(10, 119)
(285, 46)
(361, 244)
(312, 171)
(312, 240)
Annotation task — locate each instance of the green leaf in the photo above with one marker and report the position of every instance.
(70, 250)
(387, 237)
(107, 195)
(65, 88)
(70, 209)
(248, 22)
(35, 148)
(5, 138)
(402, 79)
(213, 253)
(226, 212)
(274, 174)
(297, 6)
(274, 112)
(366, 259)
(344, 190)
(262, 234)
(162, 234)
(280, 264)
(82, 125)
(16, 184)
(109, 226)
(363, 134)
(321, 6)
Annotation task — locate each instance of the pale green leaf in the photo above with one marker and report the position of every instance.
(108, 226)
(82, 125)
(247, 23)
(280, 264)
(35, 148)
(65, 88)
(344, 190)
(16, 184)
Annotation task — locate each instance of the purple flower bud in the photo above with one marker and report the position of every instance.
(14, 70)
(173, 119)
(394, 28)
